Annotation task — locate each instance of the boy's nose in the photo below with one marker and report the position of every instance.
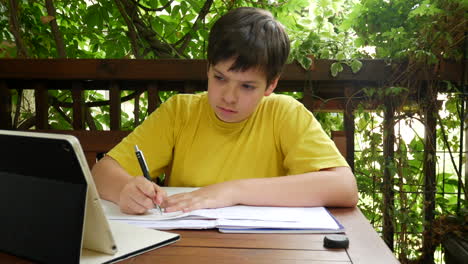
(230, 95)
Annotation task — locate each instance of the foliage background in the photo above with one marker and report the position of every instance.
(422, 32)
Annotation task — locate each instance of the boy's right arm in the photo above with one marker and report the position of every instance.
(134, 195)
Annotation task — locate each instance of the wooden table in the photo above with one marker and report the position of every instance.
(213, 247)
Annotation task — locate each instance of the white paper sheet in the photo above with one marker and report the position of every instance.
(319, 222)
(233, 217)
(113, 212)
(264, 213)
(175, 224)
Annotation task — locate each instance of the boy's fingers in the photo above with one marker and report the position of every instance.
(142, 200)
(176, 207)
(188, 206)
(161, 194)
(193, 207)
(173, 199)
(185, 203)
(146, 187)
(133, 208)
(139, 196)
(132, 205)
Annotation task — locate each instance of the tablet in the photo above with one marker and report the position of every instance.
(51, 211)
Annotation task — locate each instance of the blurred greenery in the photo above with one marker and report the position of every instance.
(421, 32)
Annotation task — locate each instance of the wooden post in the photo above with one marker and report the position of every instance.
(429, 169)
(115, 110)
(136, 110)
(5, 106)
(349, 126)
(307, 96)
(389, 172)
(189, 87)
(463, 153)
(78, 106)
(41, 98)
(339, 138)
(153, 96)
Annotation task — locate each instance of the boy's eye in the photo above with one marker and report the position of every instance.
(248, 86)
(218, 77)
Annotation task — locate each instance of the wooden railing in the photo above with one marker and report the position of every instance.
(321, 91)
(96, 144)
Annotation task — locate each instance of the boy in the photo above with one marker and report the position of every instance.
(239, 142)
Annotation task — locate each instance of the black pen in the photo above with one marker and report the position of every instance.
(144, 168)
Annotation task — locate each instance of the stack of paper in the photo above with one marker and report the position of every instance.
(239, 219)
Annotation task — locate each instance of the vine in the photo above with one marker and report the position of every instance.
(418, 34)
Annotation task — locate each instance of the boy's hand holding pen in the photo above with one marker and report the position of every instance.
(144, 168)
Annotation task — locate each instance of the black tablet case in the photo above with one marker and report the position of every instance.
(42, 199)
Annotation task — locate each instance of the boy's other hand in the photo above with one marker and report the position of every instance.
(139, 195)
(213, 196)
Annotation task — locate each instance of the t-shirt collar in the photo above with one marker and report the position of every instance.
(219, 124)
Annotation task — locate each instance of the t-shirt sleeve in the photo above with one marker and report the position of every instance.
(305, 146)
(154, 137)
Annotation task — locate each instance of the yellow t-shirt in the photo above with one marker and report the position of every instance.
(184, 135)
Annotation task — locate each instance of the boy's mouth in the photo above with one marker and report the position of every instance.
(226, 110)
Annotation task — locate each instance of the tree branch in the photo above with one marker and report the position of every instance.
(131, 30)
(19, 99)
(54, 101)
(163, 50)
(185, 40)
(15, 29)
(28, 123)
(89, 119)
(62, 114)
(55, 29)
(153, 9)
(457, 170)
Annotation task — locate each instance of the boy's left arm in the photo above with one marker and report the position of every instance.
(334, 187)
(318, 175)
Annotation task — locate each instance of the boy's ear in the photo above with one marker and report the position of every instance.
(272, 86)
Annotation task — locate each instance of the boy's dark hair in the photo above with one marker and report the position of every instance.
(253, 37)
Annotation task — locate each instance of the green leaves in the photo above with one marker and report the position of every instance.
(93, 17)
(345, 31)
(426, 8)
(407, 165)
(326, 37)
(355, 65)
(409, 29)
(330, 121)
(395, 90)
(336, 68)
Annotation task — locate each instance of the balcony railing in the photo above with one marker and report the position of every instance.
(320, 92)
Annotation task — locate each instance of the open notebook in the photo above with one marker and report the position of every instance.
(233, 219)
(51, 211)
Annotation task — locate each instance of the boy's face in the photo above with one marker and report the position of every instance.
(234, 95)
